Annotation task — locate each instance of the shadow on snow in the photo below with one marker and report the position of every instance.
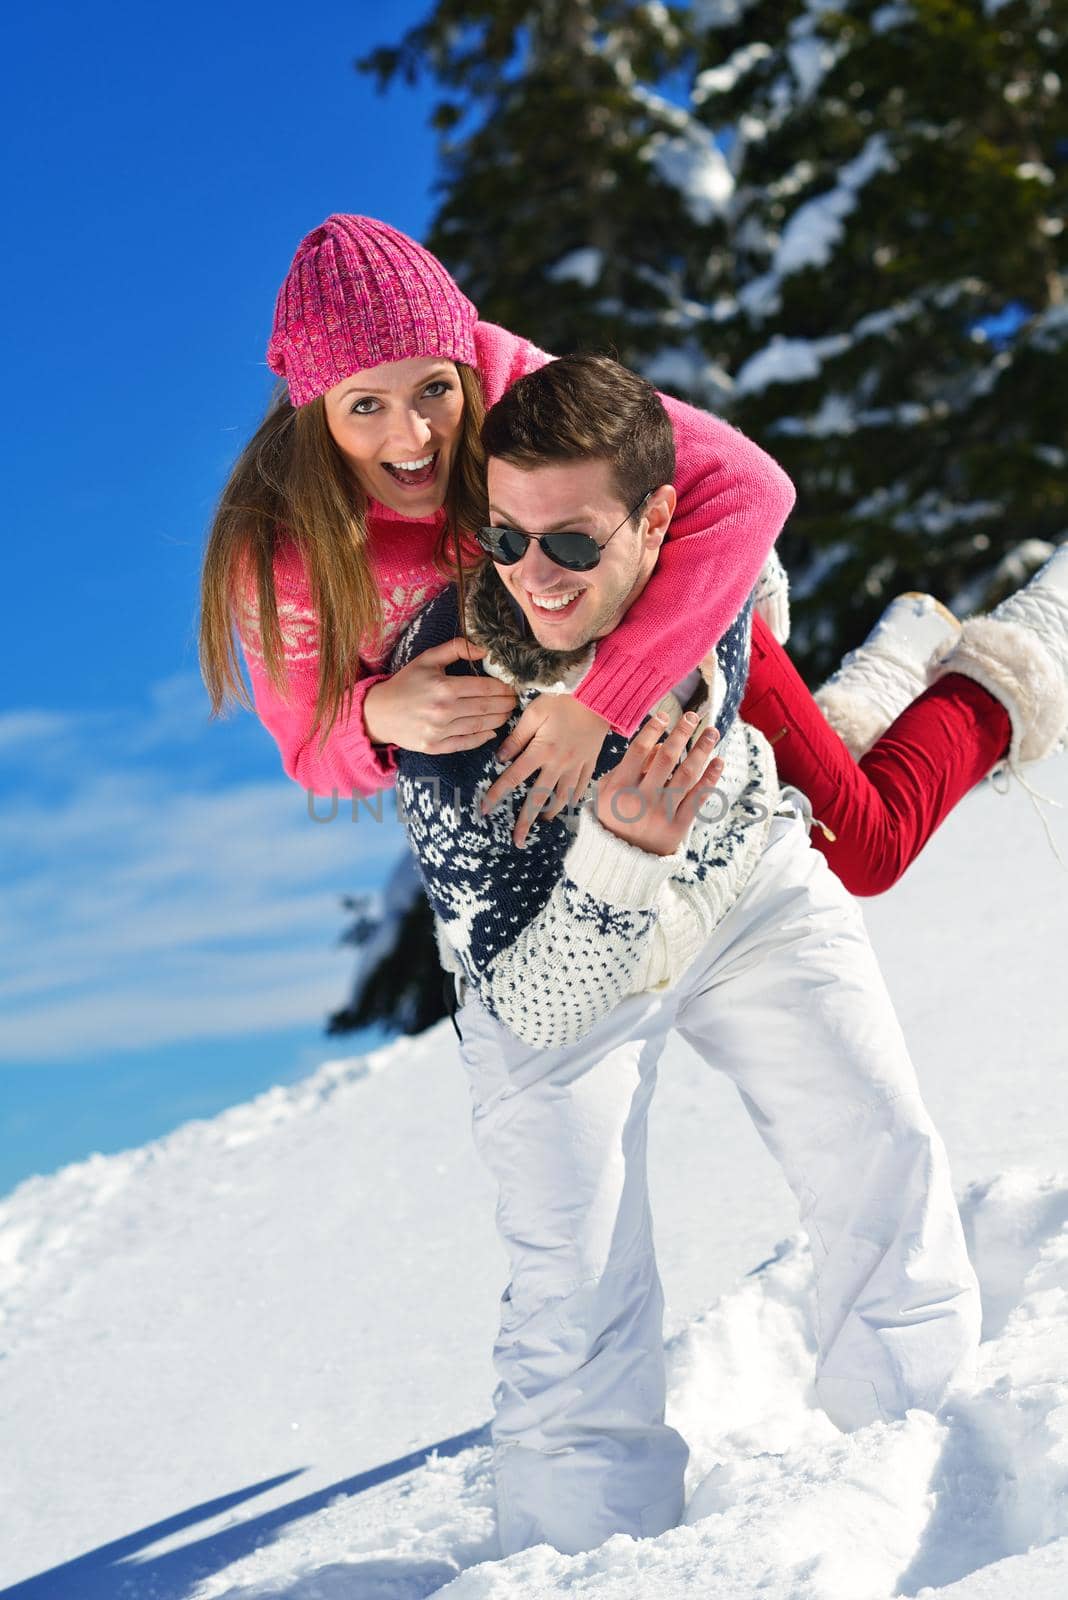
(108, 1573)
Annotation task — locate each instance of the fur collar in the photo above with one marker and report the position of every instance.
(495, 621)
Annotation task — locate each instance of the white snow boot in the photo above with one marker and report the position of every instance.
(1019, 654)
(878, 679)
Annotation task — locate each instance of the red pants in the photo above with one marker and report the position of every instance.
(883, 809)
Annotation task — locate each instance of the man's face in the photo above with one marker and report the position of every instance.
(566, 610)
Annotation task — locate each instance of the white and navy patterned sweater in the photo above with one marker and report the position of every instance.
(553, 936)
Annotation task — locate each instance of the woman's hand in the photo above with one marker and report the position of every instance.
(652, 796)
(560, 739)
(422, 708)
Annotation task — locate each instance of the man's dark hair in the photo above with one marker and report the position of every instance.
(581, 408)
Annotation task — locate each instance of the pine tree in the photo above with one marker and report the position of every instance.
(895, 288)
(572, 190)
(850, 241)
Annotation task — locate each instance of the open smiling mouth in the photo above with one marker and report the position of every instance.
(413, 474)
(555, 605)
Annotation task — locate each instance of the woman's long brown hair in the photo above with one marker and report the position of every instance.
(291, 480)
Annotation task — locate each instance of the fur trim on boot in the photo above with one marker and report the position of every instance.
(1010, 662)
(878, 679)
(856, 720)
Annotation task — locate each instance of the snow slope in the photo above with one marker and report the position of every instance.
(252, 1359)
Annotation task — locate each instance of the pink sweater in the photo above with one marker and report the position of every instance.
(732, 501)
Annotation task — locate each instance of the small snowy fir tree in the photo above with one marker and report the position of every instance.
(398, 981)
(893, 306)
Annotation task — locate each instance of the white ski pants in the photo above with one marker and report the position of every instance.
(786, 997)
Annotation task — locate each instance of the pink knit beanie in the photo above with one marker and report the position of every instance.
(360, 293)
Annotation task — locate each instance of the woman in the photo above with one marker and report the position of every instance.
(355, 501)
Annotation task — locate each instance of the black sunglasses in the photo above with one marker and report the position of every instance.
(578, 552)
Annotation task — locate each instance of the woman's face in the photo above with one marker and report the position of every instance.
(398, 426)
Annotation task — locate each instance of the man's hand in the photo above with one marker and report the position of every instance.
(652, 796)
(422, 708)
(560, 739)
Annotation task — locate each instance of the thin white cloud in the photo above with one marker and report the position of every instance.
(150, 900)
(18, 728)
(178, 712)
(228, 995)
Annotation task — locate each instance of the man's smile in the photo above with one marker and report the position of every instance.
(557, 601)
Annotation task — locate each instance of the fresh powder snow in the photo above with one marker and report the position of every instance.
(252, 1360)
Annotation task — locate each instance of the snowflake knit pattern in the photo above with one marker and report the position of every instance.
(553, 936)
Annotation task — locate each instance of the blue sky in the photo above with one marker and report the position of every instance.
(170, 915)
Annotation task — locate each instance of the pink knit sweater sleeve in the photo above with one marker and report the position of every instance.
(349, 762)
(732, 502)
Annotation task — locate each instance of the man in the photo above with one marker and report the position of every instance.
(683, 895)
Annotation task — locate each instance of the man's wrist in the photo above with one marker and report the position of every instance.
(614, 870)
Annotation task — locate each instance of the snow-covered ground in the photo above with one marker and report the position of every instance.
(252, 1359)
